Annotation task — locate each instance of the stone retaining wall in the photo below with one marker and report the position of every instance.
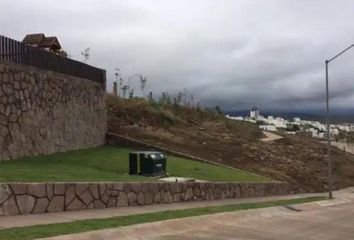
(43, 112)
(30, 198)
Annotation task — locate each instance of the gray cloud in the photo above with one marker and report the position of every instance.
(229, 53)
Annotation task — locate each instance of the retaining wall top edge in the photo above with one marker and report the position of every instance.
(159, 182)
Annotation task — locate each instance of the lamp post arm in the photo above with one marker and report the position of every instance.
(330, 60)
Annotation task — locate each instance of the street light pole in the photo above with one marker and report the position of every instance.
(330, 180)
(330, 194)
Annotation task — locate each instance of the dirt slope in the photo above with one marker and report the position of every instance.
(299, 160)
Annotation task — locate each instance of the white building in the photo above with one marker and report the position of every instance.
(254, 113)
(296, 119)
(239, 118)
(268, 127)
(278, 123)
(314, 132)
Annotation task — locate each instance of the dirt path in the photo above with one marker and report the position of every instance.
(348, 147)
(270, 137)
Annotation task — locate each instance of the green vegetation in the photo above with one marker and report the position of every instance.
(50, 230)
(107, 163)
(163, 113)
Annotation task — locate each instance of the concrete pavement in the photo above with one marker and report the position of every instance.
(64, 217)
(325, 220)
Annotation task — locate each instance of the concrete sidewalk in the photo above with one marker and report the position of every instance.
(64, 217)
(324, 220)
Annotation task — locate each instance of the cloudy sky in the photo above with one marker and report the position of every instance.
(233, 53)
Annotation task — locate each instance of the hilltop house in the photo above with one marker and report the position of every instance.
(50, 44)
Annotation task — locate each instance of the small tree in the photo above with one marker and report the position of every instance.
(179, 98)
(115, 88)
(198, 106)
(143, 80)
(167, 98)
(124, 90)
(86, 54)
(218, 110)
(121, 81)
(192, 100)
(184, 96)
(115, 84)
(131, 93)
(162, 98)
(150, 97)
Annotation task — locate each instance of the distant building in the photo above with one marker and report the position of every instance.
(321, 135)
(239, 118)
(313, 131)
(296, 119)
(50, 44)
(254, 113)
(268, 127)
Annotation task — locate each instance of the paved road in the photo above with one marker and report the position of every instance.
(314, 221)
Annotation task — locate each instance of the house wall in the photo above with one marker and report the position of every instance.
(43, 112)
(29, 198)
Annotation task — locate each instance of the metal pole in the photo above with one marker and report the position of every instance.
(330, 194)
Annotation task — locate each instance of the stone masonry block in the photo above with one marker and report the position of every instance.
(37, 190)
(94, 190)
(41, 205)
(59, 188)
(10, 207)
(76, 204)
(132, 197)
(50, 190)
(25, 203)
(149, 197)
(69, 194)
(5, 192)
(140, 199)
(168, 197)
(56, 204)
(86, 197)
(80, 188)
(19, 188)
(122, 200)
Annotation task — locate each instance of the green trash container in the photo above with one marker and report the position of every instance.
(147, 163)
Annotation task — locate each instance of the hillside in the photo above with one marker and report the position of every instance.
(298, 160)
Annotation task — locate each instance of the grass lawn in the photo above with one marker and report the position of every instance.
(50, 230)
(108, 163)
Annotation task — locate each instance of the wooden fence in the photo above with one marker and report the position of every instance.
(15, 51)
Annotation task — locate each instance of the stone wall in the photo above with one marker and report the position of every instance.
(30, 198)
(42, 112)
